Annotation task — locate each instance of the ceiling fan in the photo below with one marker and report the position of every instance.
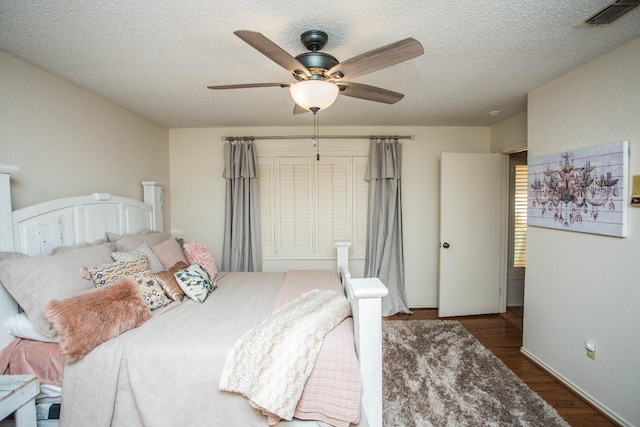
(322, 76)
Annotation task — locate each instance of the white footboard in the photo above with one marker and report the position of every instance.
(365, 298)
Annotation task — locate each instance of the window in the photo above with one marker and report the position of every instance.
(519, 212)
(307, 205)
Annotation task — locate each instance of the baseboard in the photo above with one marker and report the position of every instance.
(575, 389)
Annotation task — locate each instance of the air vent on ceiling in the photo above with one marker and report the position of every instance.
(610, 12)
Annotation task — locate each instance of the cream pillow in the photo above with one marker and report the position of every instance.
(142, 250)
(33, 281)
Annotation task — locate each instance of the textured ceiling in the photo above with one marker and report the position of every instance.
(156, 57)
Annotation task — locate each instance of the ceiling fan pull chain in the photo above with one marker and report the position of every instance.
(316, 136)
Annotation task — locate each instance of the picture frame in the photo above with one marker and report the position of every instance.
(583, 190)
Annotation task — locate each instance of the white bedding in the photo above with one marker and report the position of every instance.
(145, 378)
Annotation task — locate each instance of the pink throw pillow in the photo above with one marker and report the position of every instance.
(169, 253)
(92, 317)
(197, 253)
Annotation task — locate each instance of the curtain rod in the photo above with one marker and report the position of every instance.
(321, 137)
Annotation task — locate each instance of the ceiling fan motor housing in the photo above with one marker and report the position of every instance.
(314, 40)
(315, 61)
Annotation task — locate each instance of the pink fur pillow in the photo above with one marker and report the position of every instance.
(90, 318)
(197, 253)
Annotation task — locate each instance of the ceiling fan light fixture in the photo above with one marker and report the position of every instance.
(314, 94)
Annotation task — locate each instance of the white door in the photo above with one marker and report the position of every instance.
(473, 233)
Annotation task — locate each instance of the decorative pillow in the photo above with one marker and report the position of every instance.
(105, 274)
(20, 326)
(151, 290)
(195, 282)
(8, 256)
(128, 242)
(33, 281)
(90, 318)
(142, 250)
(61, 249)
(197, 253)
(169, 252)
(168, 282)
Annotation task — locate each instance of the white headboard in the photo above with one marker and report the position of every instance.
(69, 221)
(73, 220)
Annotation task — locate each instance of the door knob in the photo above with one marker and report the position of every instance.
(445, 245)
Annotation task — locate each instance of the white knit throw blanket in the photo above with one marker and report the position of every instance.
(271, 363)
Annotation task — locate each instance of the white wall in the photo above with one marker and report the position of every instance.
(510, 135)
(68, 141)
(198, 190)
(583, 286)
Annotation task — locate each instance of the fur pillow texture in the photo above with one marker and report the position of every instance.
(196, 252)
(90, 318)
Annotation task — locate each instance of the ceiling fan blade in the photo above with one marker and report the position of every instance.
(299, 110)
(378, 59)
(370, 93)
(273, 52)
(249, 85)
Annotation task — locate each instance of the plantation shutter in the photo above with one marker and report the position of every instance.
(295, 205)
(333, 203)
(307, 205)
(520, 217)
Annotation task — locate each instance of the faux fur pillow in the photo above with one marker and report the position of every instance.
(90, 318)
(197, 253)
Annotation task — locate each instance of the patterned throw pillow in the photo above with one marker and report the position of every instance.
(197, 253)
(151, 290)
(105, 274)
(142, 250)
(195, 282)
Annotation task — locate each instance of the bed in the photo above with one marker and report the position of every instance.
(168, 369)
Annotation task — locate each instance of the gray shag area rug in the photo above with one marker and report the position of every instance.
(435, 373)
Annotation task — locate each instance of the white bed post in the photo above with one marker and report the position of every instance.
(6, 218)
(365, 298)
(153, 197)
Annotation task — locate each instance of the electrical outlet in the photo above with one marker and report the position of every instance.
(591, 349)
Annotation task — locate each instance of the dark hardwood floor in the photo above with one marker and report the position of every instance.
(502, 334)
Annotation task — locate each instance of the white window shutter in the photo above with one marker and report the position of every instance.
(333, 204)
(294, 200)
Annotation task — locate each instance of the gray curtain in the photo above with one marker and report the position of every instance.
(242, 249)
(384, 257)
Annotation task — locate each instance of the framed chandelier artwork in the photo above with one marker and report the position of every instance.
(583, 190)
